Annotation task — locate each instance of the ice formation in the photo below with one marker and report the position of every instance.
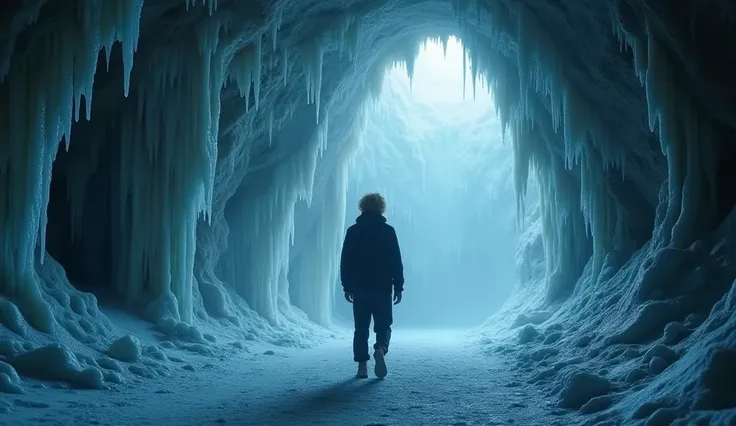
(184, 173)
(51, 96)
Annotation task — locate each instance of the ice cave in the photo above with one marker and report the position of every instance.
(176, 178)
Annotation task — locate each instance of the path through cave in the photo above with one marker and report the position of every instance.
(436, 378)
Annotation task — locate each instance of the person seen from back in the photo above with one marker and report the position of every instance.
(372, 276)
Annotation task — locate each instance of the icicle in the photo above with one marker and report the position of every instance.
(129, 40)
(464, 70)
(285, 64)
(257, 72)
(270, 127)
(313, 55)
(345, 23)
(275, 27)
(177, 155)
(49, 92)
(108, 51)
(473, 74)
(246, 70)
(264, 233)
(317, 85)
(352, 37)
(681, 130)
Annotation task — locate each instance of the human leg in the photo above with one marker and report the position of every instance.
(382, 321)
(362, 322)
(362, 370)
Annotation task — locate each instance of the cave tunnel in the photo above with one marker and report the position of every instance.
(177, 178)
(435, 147)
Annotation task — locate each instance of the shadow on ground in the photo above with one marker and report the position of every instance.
(315, 406)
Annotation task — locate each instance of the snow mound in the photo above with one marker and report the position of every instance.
(9, 348)
(660, 351)
(126, 349)
(583, 341)
(9, 380)
(674, 333)
(650, 321)
(164, 313)
(12, 319)
(113, 377)
(147, 360)
(581, 387)
(109, 364)
(155, 352)
(8, 385)
(635, 375)
(182, 331)
(76, 312)
(56, 363)
(657, 365)
(528, 334)
(536, 318)
(718, 381)
(596, 404)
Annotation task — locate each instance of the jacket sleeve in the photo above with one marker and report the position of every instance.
(347, 261)
(397, 270)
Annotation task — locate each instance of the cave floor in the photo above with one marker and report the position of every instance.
(435, 378)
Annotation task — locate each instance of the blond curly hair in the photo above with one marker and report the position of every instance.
(373, 202)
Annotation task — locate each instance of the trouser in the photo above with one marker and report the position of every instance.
(380, 307)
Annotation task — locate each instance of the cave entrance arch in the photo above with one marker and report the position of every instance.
(434, 147)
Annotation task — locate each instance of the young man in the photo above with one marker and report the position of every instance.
(370, 270)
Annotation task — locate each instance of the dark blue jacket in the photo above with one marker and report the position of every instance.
(371, 259)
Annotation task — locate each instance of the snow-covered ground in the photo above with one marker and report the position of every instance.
(435, 378)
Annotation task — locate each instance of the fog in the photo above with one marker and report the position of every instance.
(439, 158)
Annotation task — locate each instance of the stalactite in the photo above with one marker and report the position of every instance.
(686, 137)
(41, 95)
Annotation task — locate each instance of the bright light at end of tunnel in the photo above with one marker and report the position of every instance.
(438, 78)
